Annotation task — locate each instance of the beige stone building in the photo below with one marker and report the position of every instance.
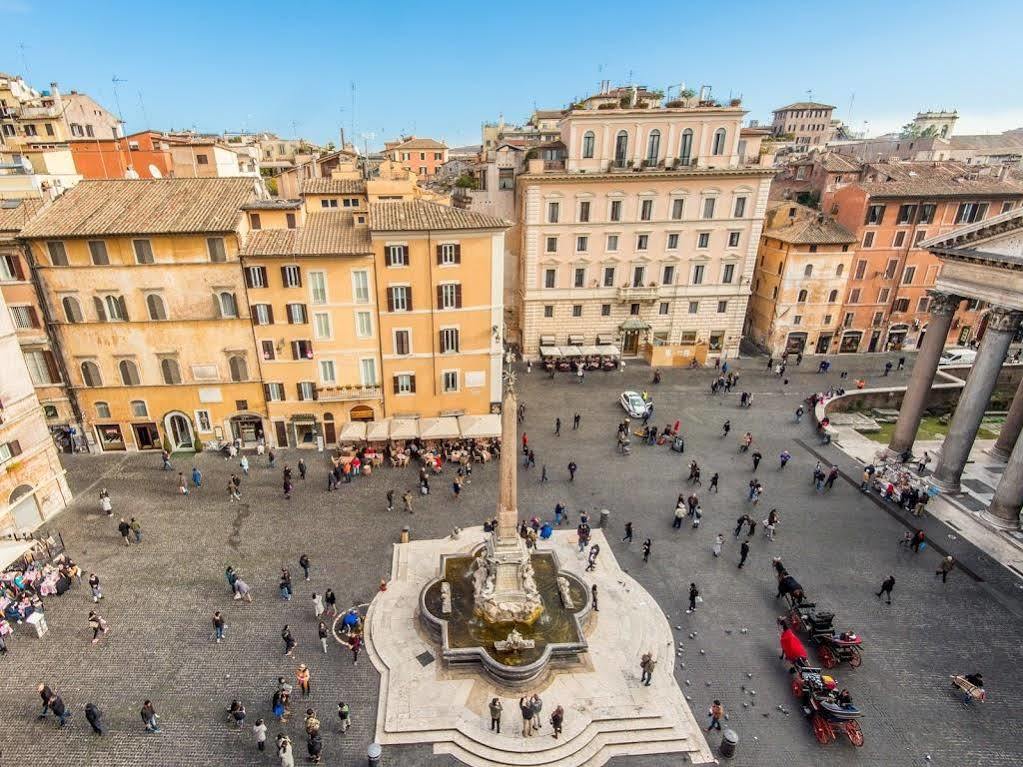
(646, 232)
(32, 483)
(807, 122)
(32, 117)
(799, 283)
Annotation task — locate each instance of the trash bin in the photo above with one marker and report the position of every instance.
(604, 514)
(729, 740)
(406, 534)
(373, 754)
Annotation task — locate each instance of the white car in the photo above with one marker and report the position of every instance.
(957, 355)
(634, 404)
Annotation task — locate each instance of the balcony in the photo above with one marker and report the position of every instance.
(348, 393)
(553, 164)
(632, 293)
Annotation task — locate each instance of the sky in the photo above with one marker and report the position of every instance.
(383, 69)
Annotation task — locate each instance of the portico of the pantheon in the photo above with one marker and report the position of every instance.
(981, 261)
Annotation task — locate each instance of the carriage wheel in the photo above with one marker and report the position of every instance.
(828, 659)
(855, 659)
(821, 729)
(854, 733)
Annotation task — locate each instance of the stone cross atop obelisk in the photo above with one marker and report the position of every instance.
(507, 499)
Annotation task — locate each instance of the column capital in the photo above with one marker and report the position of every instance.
(1003, 320)
(943, 303)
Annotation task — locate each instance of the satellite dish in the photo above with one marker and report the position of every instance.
(131, 173)
(154, 172)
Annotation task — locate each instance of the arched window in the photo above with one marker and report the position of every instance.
(685, 149)
(588, 144)
(72, 309)
(839, 269)
(621, 147)
(102, 410)
(653, 146)
(801, 298)
(129, 373)
(719, 142)
(90, 374)
(228, 306)
(116, 308)
(171, 371)
(239, 368)
(157, 309)
(808, 271)
(832, 296)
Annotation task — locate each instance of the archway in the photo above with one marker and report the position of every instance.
(178, 428)
(24, 509)
(361, 413)
(896, 337)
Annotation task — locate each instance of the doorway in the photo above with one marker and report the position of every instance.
(824, 343)
(874, 338)
(282, 433)
(795, 343)
(179, 431)
(630, 343)
(147, 436)
(110, 437)
(247, 428)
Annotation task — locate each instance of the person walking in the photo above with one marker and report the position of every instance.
(783, 458)
(575, 421)
(232, 491)
(390, 500)
(259, 732)
(243, 462)
(105, 504)
(713, 483)
(719, 541)
(571, 471)
(196, 477)
(543, 473)
(770, 524)
(322, 632)
(165, 459)
(740, 523)
(285, 584)
(647, 545)
(743, 553)
(302, 676)
(301, 468)
(628, 533)
(125, 530)
(799, 413)
(715, 714)
(218, 626)
(354, 644)
(182, 484)
(56, 704)
(591, 563)
(945, 568)
(887, 367)
(832, 476)
(284, 751)
(756, 459)
(527, 717)
(289, 640)
(318, 608)
(98, 626)
(536, 704)
(680, 514)
(94, 586)
(557, 721)
(136, 529)
(330, 602)
(94, 717)
(593, 596)
(495, 715)
(344, 715)
(693, 594)
(271, 457)
(647, 665)
(149, 716)
(557, 426)
(725, 428)
(303, 562)
(886, 588)
(407, 501)
(45, 693)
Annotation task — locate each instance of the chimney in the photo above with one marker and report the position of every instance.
(55, 93)
(633, 96)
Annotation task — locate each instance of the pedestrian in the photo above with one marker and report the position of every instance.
(945, 568)
(887, 367)
(559, 510)
(557, 720)
(136, 529)
(285, 584)
(743, 553)
(740, 523)
(45, 693)
(317, 605)
(783, 458)
(715, 714)
(799, 414)
(725, 428)
(97, 593)
(271, 457)
(289, 640)
(390, 500)
(93, 716)
(537, 706)
(628, 533)
(105, 504)
(593, 595)
(713, 483)
(647, 665)
(58, 708)
(832, 476)
(232, 492)
(302, 676)
(886, 588)
(543, 473)
(902, 363)
(770, 524)
(456, 487)
(301, 468)
(647, 545)
(527, 717)
(323, 633)
(680, 514)
(756, 459)
(591, 563)
(571, 471)
(196, 477)
(922, 463)
(236, 713)
(242, 591)
(125, 530)
(575, 421)
(344, 715)
(303, 562)
(284, 751)
(98, 625)
(693, 594)
(244, 464)
(259, 731)
(495, 715)
(330, 602)
(218, 626)
(354, 644)
(557, 426)
(287, 486)
(149, 716)
(719, 541)
(165, 459)
(407, 501)
(752, 527)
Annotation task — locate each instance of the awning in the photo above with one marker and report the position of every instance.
(404, 428)
(634, 324)
(378, 431)
(575, 340)
(609, 350)
(353, 431)
(547, 341)
(438, 428)
(12, 550)
(550, 351)
(571, 351)
(589, 351)
(605, 338)
(475, 426)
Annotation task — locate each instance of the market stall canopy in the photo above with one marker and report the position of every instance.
(445, 427)
(550, 351)
(478, 426)
(10, 551)
(609, 350)
(378, 431)
(352, 431)
(404, 428)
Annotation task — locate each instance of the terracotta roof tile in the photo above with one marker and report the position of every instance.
(808, 228)
(419, 143)
(330, 233)
(836, 163)
(417, 215)
(144, 206)
(333, 186)
(14, 218)
(940, 188)
(804, 105)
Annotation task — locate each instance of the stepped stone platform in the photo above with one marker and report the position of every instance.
(608, 712)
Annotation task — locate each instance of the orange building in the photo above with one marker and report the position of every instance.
(886, 303)
(140, 155)
(422, 156)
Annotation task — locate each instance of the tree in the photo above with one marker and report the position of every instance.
(914, 131)
(466, 181)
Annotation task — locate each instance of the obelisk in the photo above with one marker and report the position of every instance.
(506, 591)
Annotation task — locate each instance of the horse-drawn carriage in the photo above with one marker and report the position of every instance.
(830, 712)
(832, 647)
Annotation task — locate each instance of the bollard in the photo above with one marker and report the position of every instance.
(729, 740)
(373, 754)
(406, 534)
(604, 514)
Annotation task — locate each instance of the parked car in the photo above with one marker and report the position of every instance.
(957, 355)
(634, 404)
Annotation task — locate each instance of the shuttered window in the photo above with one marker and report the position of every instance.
(449, 296)
(448, 254)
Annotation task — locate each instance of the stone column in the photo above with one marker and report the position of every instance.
(943, 307)
(1005, 506)
(1011, 428)
(1001, 327)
